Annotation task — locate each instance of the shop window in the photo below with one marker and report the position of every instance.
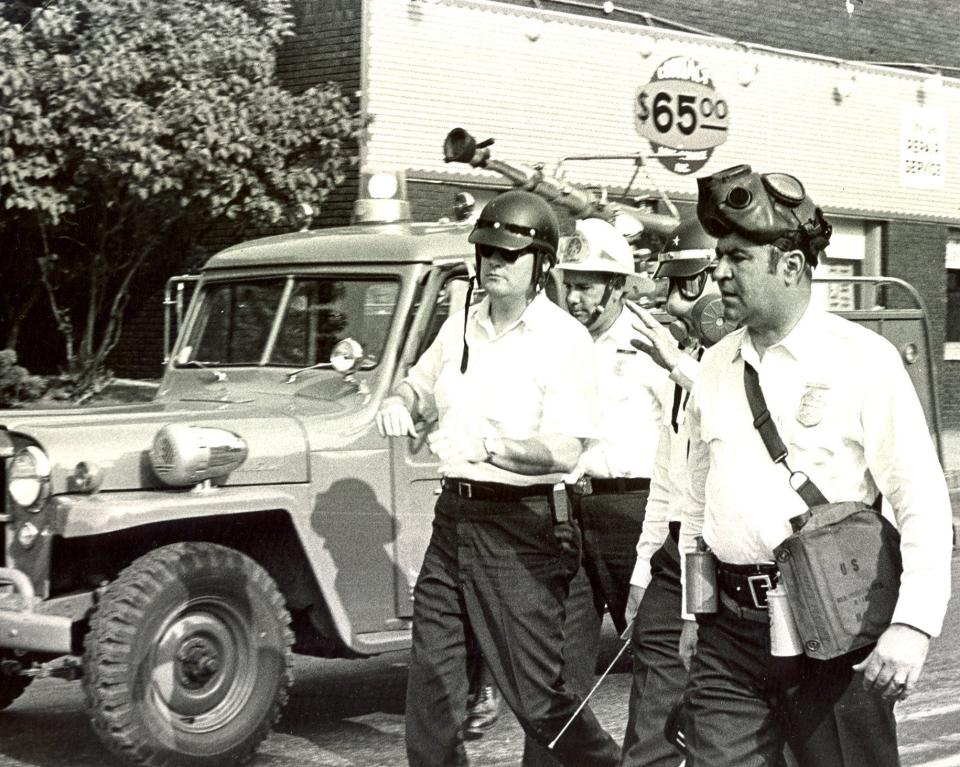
(951, 347)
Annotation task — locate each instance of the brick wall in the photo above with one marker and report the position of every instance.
(878, 30)
(915, 252)
(325, 49)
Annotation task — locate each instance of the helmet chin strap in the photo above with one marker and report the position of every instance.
(601, 307)
(465, 356)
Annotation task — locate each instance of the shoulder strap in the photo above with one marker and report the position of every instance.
(764, 424)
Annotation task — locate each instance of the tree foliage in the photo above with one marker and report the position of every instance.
(128, 126)
(17, 386)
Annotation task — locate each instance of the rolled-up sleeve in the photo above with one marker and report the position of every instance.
(422, 377)
(694, 495)
(656, 518)
(903, 462)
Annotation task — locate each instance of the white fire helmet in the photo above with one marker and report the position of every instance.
(596, 246)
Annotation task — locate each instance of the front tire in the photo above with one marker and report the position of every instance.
(188, 658)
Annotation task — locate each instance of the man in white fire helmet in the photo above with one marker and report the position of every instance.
(607, 492)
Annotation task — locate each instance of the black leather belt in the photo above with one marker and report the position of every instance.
(747, 585)
(598, 485)
(473, 490)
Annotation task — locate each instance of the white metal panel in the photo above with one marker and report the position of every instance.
(548, 84)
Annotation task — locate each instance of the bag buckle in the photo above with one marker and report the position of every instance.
(759, 585)
(465, 490)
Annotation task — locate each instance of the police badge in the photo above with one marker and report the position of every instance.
(812, 404)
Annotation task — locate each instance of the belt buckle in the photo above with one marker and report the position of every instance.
(756, 582)
(465, 490)
(584, 486)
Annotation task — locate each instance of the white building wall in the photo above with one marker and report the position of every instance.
(547, 84)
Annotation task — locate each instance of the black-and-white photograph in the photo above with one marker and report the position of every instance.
(508, 383)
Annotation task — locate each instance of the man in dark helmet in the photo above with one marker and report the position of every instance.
(655, 585)
(844, 407)
(507, 381)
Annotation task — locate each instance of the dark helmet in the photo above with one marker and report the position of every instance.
(688, 251)
(767, 208)
(515, 220)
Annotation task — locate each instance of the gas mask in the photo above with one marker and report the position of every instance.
(699, 320)
(693, 298)
(767, 208)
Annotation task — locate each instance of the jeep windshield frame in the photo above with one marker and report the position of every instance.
(288, 321)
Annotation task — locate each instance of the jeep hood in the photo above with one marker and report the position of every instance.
(118, 440)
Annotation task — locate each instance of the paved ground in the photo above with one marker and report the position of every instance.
(350, 714)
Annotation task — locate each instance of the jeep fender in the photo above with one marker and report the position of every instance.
(79, 516)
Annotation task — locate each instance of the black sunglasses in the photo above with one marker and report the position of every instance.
(691, 287)
(510, 256)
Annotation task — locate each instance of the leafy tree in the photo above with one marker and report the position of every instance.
(16, 384)
(127, 127)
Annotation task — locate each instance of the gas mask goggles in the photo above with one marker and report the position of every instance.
(768, 208)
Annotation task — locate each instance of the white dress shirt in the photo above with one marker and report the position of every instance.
(669, 480)
(631, 392)
(525, 381)
(850, 419)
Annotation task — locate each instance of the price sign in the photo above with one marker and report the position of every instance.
(681, 114)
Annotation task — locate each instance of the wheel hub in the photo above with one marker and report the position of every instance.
(203, 662)
(199, 661)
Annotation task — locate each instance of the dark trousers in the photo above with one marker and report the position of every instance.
(658, 673)
(610, 524)
(742, 705)
(494, 567)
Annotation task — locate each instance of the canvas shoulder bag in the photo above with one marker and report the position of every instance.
(841, 566)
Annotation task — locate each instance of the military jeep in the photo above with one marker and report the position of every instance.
(175, 554)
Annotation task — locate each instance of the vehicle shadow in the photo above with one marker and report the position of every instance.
(49, 726)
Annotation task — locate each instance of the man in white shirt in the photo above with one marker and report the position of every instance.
(608, 489)
(850, 418)
(655, 591)
(507, 384)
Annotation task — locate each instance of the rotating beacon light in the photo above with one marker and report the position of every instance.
(383, 198)
(184, 454)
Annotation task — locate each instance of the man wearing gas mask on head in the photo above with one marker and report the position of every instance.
(607, 492)
(655, 591)
(507, 381)
(850, 422)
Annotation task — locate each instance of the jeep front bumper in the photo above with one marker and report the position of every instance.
(22, 626)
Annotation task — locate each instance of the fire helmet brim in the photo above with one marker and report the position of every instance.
(682, 267)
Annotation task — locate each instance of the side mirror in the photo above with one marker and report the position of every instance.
(345, 356)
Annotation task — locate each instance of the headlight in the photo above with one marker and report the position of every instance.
(28, 475)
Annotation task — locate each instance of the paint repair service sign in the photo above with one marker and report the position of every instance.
(681, 114)
(923, 147)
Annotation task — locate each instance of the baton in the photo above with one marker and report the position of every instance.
(626, 633)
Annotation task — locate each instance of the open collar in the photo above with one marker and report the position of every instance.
(802, 342)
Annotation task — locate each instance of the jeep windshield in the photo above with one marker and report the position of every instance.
(288, 321)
